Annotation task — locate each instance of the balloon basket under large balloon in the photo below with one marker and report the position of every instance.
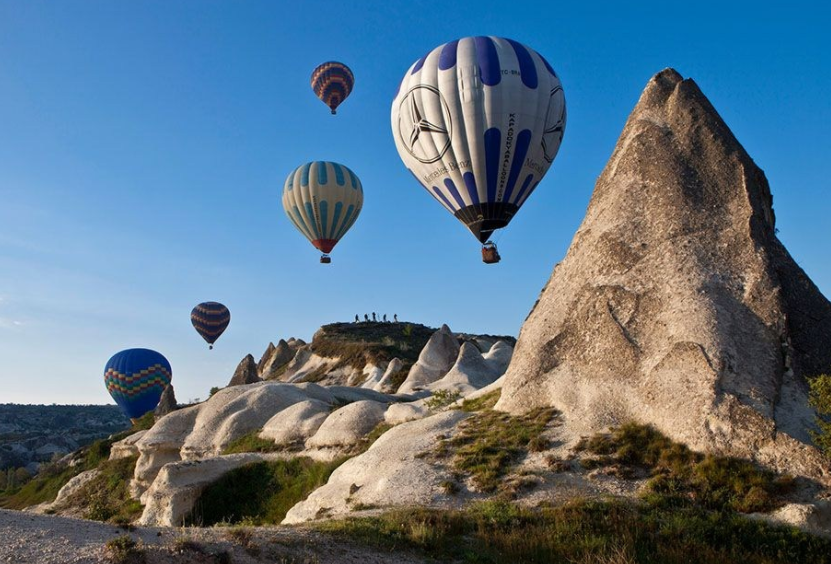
(325, 259)
(489, 253)
(210, 347)
(334, 112)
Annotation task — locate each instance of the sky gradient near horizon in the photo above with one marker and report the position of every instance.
(144, 146)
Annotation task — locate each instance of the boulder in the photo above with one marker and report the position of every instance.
(125, 448)
(676, 304)
(295, 424)
(161, 444)
(435, 360)
(246, 372)
(69, 490)
(403, 412)
(469, 373)
(348, 425)
(391, 473)
(385, 384)
(499, 357)
(171, 498)
(236, 411)
(167, 403)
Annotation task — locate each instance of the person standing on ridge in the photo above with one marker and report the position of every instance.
(366, 318)
(385, 318)
(373, 317)
(395, 317)
(356, 318)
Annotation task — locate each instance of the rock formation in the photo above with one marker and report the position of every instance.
(472, 370)
(266, 357)
(435, 360)
(676, 304)
(246, 372)
(391, 473)
(297, 423)
(273, 362)
(167, 403)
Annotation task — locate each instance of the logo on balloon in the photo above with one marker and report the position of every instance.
(424, 124)
(555, 124)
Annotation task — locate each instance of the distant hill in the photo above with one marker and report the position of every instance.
(31, 434)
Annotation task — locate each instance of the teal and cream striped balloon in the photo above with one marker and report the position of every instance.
(323, 199)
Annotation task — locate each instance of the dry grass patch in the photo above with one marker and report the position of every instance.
(678, 475)
(489, 443)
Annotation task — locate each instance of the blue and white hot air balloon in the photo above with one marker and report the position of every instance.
(478, 121)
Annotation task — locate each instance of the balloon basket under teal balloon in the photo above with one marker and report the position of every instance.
(489, 253)
(325, 259)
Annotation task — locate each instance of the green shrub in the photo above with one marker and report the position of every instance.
(489, 442)
(251, 442)
(486, 401)
(601, 532)
(442, 398)
(262, 492)
(820, 399)
(123, 550)
(679, 476)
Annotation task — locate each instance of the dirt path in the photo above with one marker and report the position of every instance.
(44, 539)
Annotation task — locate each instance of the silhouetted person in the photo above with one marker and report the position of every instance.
(385, 318)
(395, 317)
(366, 318)
(373, 317)
(356, 318)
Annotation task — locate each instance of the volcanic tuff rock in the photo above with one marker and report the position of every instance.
(435, 360)
(167, 403)
(676, 304)
(472, 370)
(246, 372)
(295, 424)
(274, 359)
(392, 472)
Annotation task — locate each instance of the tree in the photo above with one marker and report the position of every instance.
(820, 399)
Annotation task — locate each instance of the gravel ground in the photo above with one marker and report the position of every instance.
(45, 539)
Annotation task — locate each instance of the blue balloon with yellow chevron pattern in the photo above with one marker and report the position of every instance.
(136, 379)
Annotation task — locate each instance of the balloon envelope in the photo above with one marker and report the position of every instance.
(210, 319)
(323, 199)
(136, 379)
(332, 82)
(478, 122)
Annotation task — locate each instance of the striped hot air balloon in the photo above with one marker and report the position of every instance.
(136, 379)
(332, 82)
(210, 319)
(478, 122)
(323, 199)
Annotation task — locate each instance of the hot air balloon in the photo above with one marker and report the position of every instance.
(478, 122)
(136, 379)
(323, 199)
(210, 319)
(332, 82)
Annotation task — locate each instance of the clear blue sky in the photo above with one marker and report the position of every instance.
(144, 145)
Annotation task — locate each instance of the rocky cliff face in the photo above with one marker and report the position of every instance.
(676, 304)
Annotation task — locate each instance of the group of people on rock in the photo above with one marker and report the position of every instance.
(375, 318)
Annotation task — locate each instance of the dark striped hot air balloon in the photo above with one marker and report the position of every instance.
(332, 82)
(136, 379)
(210, 320)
